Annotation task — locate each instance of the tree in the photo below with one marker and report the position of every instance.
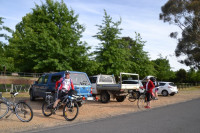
(48, 39)
(191, 76)
(140, 62)
(162, 67)
(186, 15)
(113, 54)
(181, 76)
(5, 63)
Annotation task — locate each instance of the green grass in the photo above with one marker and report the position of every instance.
(190, 88)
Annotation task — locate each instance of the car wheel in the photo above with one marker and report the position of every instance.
(120, 98)
(105, 97)
(165, 93)
(32, 98)
(172, 94)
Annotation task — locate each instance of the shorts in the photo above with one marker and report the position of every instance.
(62, 94)
(156, 89)
(148, 95)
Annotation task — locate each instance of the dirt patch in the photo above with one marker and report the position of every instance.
(16, 80)
(89, 111)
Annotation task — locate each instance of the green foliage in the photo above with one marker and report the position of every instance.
(191, 76)
(181, 76)
(139, 59)
(48, 39)
(5, 62)
(186, 15)
(112, 55)
(162, 67)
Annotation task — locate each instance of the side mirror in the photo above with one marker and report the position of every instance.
(36, 82)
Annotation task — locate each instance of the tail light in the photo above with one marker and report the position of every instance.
(97, 98)
(91, 90)
(83, 98)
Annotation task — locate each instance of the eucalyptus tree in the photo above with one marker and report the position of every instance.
(186, 15)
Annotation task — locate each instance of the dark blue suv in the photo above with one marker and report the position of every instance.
(47, 82)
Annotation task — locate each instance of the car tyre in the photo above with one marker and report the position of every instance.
(32, 98)
(120, 98)
(165, 93)
(105, 97)
(172, 94)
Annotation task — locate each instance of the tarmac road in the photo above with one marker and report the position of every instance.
(177, 118)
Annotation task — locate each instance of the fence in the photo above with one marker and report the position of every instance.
(14, 88)
(20, 74)
(186, 85)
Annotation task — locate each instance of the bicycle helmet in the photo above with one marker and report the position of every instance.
(67, 72)
(152, 79)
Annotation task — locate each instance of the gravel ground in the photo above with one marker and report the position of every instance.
(89, 111)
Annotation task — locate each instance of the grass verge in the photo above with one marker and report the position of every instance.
(190, 88)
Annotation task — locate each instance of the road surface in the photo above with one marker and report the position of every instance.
(177, 118)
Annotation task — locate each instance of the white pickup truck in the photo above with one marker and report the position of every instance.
(106, 86)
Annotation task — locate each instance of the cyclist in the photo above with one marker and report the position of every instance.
(149, 89)
(65, 87)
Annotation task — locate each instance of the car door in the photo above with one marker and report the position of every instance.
(37, 86)
(44, 86)
(161, 87)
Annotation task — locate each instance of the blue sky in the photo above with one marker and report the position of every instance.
(141, 16)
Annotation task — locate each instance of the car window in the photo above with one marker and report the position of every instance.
(162, 84)
(172, 84)
(46, 79)
(55, 78)
(40, 80)
(79, 79)
(93, 79)
(106, 78)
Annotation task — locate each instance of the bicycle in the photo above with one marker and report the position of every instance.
(21, 109)
(70, 108)
(142, 100)
(133, 96)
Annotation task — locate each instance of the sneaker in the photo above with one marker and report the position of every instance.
(147, 107)
(155, 98)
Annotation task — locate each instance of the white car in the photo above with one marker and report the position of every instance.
(167, 88)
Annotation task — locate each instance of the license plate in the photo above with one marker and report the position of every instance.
(90, 98)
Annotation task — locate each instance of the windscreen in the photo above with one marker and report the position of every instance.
(79, 79)
(129, 79)
(107, 79)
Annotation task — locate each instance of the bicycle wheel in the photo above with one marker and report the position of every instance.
(132, 97)
(141, 101)
(70, 112)
(47, 109)
(3, 109)
(23, 112)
